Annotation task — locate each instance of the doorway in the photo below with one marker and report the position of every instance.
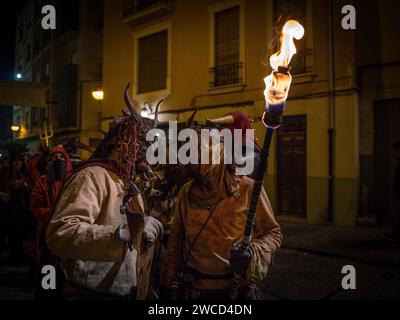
(386, 134)
(292, 166)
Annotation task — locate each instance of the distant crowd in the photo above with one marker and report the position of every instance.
(29, 186)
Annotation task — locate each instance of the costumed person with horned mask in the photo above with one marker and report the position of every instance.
(99, 228)
(239, 120)
(203, 247)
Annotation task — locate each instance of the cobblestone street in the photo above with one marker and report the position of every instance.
(309, 264)
(12, 280)
(307, 267)
(298, 275)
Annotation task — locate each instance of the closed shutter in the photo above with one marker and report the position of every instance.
(386, 133)
(227, 47)
(227, 36)
(153, 62)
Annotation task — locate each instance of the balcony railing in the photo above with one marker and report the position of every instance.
(226, 75)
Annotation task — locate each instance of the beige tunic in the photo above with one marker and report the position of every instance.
(210, 254)
(82, 233)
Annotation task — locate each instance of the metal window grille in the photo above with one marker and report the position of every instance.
(225, 75)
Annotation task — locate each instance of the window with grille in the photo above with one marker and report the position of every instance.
(227, 65)
(152, 62)
(295, 10)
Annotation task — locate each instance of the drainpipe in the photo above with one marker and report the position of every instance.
(332, 109)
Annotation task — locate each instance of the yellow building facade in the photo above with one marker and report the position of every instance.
(189, 34)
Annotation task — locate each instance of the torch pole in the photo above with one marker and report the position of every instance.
(258, 183)
(276, 93)
(272, 119)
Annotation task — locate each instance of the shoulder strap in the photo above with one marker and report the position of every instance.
(191, 246)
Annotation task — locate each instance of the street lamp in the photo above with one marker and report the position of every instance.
(98, 95)
(19, 76)
(15, 128)
(146, 110)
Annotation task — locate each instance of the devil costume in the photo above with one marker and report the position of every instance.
(210, 215)
(239, 120)
(98, 251)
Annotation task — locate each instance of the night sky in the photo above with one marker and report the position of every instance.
(7, 33)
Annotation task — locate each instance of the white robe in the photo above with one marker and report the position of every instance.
(82, 233)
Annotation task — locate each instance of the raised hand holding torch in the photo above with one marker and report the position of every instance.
(277, 86)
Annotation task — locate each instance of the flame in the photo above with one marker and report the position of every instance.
(291, 30)
(277, 84)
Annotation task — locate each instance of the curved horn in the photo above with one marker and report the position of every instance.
(129, 103)
(125, 112)
(189, 122)
(156, 121)
(225, 120)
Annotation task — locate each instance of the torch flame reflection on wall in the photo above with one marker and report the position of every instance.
(277, 84)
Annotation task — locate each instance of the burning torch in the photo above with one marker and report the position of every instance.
(277, 86)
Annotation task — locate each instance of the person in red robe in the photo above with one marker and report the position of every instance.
(46, 191)
(34, 173)
(35, 169)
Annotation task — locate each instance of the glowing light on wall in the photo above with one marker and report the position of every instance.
(98, 95)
